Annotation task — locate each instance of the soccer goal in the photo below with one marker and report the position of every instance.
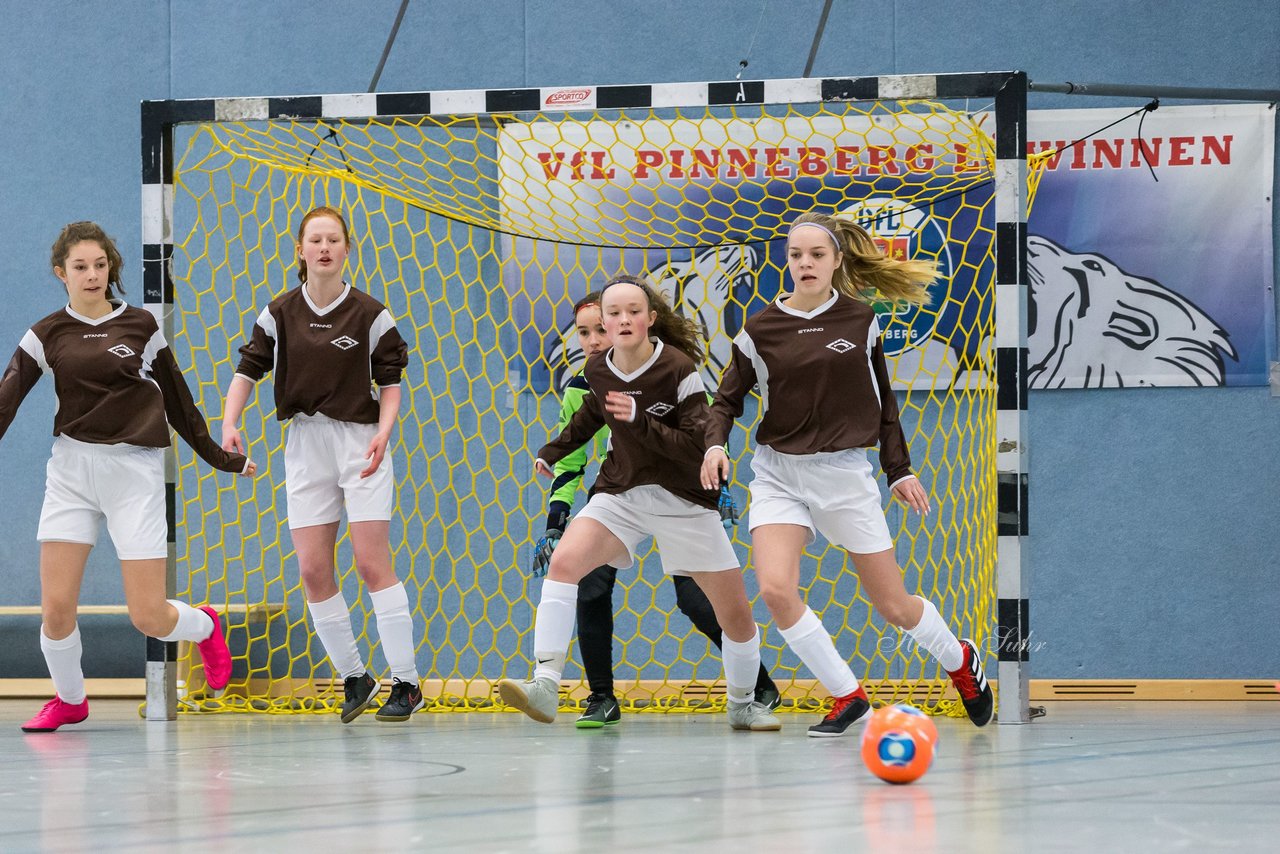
(479, 217)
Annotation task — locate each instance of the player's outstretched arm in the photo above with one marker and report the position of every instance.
(188, 422)
(584, 424)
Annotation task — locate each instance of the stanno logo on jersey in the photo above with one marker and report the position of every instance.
(320, 325)
(659, 409)
(95, 335)
(841, 346)
(121, 350)
(344, 343)
(811, 329)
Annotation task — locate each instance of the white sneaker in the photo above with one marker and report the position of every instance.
(537, 698)
(753, 716)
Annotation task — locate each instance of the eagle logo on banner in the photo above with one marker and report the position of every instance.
(1091, 324)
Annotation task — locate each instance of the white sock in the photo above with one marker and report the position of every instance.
(553, 628)
(810, 641)
(62, 657)
(395, 628)
(938, 640)
(332, 621)
(741, 667)
(193, 624)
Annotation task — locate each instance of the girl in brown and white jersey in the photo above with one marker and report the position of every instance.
(649, 394)
(119, 389)
(818, 361)
(337, 359)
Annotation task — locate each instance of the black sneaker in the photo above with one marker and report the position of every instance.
(360, 691)
(602, 710)
(769, 697)
(846, 712)
(971, 682)
(405, 699)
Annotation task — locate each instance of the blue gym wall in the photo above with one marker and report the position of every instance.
(1153, 547)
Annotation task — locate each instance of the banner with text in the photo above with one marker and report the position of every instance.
(1133, 281)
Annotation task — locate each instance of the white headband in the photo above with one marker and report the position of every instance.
(829, 232)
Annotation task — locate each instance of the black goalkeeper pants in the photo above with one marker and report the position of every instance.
(595, 624)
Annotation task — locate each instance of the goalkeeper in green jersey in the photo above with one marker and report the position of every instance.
(595, 592)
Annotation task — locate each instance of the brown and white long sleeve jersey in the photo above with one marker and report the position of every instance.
(663, 445)
(824, 384)
(326, 360)
(116, 381)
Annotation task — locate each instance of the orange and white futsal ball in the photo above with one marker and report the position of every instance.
(898, 743)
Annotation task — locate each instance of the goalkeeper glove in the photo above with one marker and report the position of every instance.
(728, 509)
(556, 519)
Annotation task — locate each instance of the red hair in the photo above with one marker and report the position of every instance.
(315, 213)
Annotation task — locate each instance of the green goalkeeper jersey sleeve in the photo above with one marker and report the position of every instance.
(570, 470)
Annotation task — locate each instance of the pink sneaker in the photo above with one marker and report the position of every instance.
(57, 713)
(214, 654)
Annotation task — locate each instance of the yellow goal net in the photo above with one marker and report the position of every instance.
(479, 231)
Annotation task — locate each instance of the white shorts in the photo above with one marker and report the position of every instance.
(124, 484)
(323, 459)
(832, 493)
(690, 537)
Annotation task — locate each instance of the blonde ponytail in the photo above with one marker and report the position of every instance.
(865, 268)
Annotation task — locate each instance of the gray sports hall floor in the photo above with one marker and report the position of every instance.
(1093, 777)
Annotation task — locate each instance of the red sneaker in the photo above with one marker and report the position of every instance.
(214, 654)
(971, 683)
(57, 713)
(845, 712)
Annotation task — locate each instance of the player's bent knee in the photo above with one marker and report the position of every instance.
(570, 566)
(152, 622)
(591, 592)
(779, 598)
(566, 572)
(59, 623)
(738, 625)
(376, 576)
(318, 582)
(899, 614)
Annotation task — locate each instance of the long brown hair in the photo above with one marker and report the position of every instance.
(668, 327)
(78, 232)
(319, 211)
(864, 267)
